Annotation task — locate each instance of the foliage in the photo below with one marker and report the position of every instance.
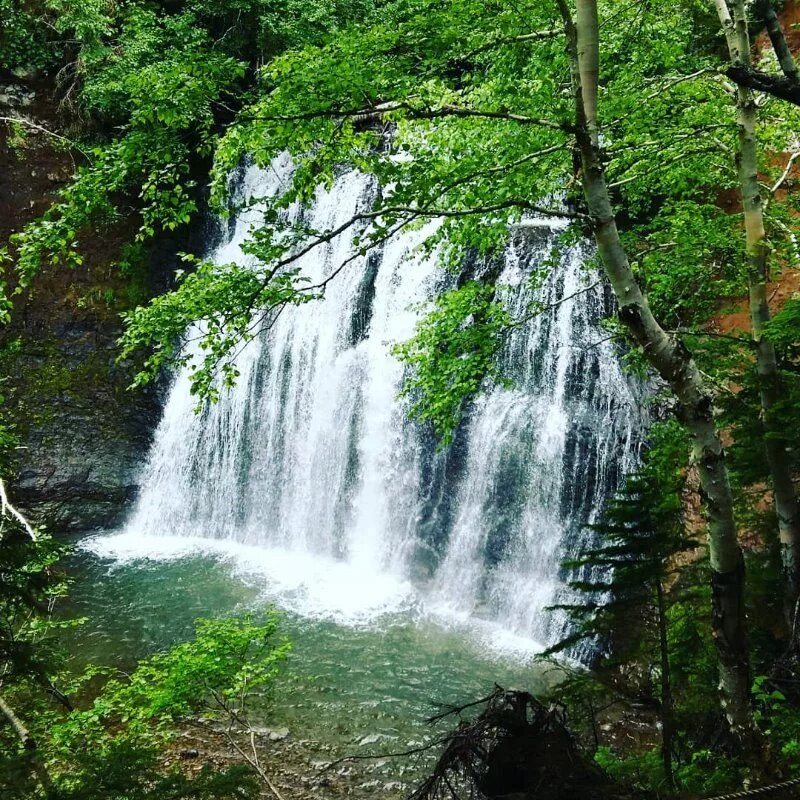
(637, 583)
(134, 716)
(462, 111)
(115, 747)
(153, 82)
(479, 115)
(480, 128)
(637, 544)
(29, 584)
(232, 291)
(227, 659)
(704, 774)
(741, 412)
(23, 36)
(453, 353)
(784, 328)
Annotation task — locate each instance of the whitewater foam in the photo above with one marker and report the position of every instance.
(314, 587)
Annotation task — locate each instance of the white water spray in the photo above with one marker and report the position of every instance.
(312, 459)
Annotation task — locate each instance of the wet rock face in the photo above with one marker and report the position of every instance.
(15, 95)
(80, 459)
(82, 434)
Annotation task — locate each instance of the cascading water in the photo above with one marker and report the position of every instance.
(312, 458)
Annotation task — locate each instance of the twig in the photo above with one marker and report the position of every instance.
(679, 79)
(537, 36)
(710, 334)
(261, 772)
(543, 309)
(41, 129)
(254, 763)
(446, 110)
(372, 756)
(451, 710)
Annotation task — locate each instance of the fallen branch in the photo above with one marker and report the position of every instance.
(375, 756)
(41, 129)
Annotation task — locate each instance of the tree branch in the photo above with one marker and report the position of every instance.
(448, 110)
(776, 85)
(8, 510)
(711, 334)
(789, 164)
(552, 306)
(537, 36)
(30, 124)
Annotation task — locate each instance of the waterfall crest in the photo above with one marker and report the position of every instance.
(312, 452)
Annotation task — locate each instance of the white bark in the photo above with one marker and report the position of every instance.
(8, 510)
(786, 505)
(674, 363)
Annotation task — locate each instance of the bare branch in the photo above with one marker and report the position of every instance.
(35, 126)
(8, 510)
(537, 36)
(678, 80)
(792, 158)
(711, 335)
(552, 306)
(776, 85)
(413, 112)
(373, 756)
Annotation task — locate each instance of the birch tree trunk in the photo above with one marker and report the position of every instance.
(670, 358)
(588, 46)
(786, 505)
(29, 743)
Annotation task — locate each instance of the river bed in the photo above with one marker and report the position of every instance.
(370, 661)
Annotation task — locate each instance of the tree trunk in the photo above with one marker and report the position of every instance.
(667, 716)
(767, 13)
(588, 37)
(786, 505)
(670, 358)
(23, 734)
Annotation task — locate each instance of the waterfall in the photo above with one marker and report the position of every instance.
(312, 455)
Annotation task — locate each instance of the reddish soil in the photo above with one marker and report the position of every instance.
(787, 281)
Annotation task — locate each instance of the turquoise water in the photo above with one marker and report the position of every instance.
(363, 683)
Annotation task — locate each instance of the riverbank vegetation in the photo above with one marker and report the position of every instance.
(666, 133)
(103, 732)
